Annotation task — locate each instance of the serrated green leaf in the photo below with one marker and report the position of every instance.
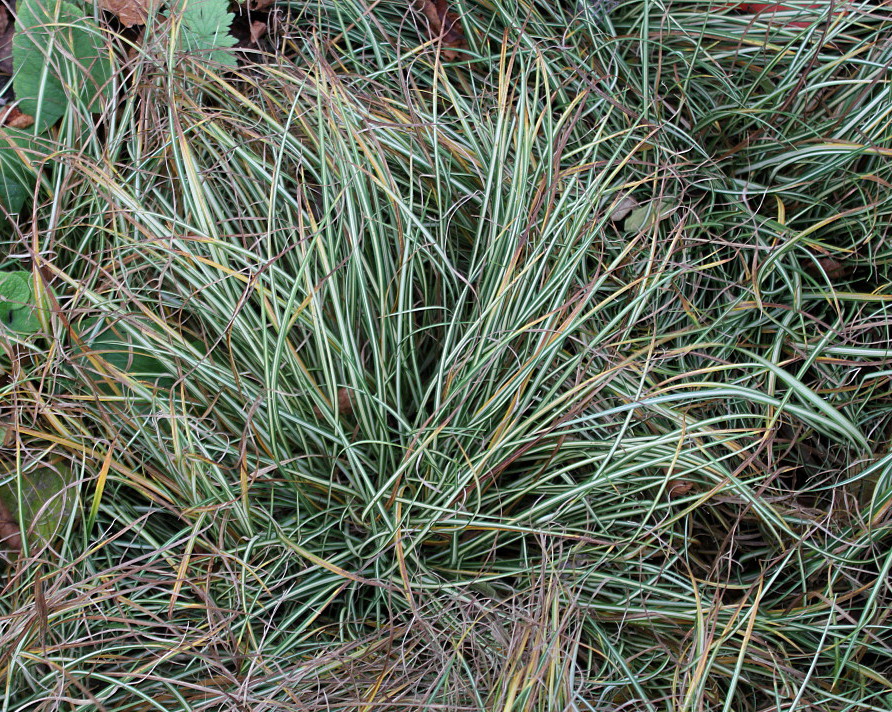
(205, 29)
(58, 56)
(46, 500)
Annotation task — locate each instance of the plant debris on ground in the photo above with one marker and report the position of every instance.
(424, 355)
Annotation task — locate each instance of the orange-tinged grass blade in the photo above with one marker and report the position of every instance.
(100, 486)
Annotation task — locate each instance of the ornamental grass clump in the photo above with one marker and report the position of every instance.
(371, 399)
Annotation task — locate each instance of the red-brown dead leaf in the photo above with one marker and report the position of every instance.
(129, 12)
(10, 536)
(345, 403)
(833, 268)
(678, 488)
(258, 30)
(133, 52)
(259, 4)
(7, 30)
(444, 25)
(7, 433)
(15, 119)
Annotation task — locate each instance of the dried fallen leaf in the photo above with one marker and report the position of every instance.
(678, 488)
(258, 30)
(623, 207)
(259, 4)
(129, 12)
(834, 269)
(7, 30)
(10, 536)
(134, 51)
(345, 404)
(444, 25)
(15, 119)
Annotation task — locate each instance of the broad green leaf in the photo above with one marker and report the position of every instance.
(130, 359)
(17, 177)
(16, 181)
(205, 29)
(47, 499)
(15, 288)
(18, 312)
(58, 57)
(117, 348)
(13, 192)
(24, 320)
